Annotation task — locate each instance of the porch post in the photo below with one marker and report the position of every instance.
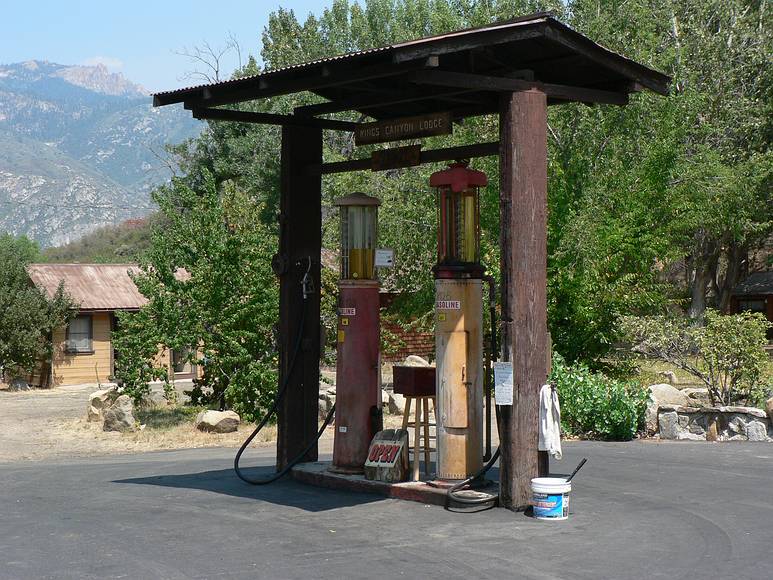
(300, 238)
(523, 243)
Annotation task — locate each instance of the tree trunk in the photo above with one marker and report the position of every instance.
(737, 263)
(698, 289)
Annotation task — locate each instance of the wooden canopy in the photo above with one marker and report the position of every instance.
(516, 69)
(462, 72)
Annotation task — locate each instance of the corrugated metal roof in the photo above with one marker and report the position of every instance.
(562, 37)
(93, 286)
(758, 284)
(530, 19)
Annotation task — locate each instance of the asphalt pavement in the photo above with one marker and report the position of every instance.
(639, 510)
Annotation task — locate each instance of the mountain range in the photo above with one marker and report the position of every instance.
(80, 148)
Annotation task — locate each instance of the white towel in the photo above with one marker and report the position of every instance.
(549, 422)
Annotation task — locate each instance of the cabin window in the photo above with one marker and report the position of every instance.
(80, 337)
(181, 361)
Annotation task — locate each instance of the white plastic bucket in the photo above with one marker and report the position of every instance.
(550, 498)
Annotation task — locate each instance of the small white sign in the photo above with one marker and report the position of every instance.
(449, 305)
(503, 383)
(385, 258)
(343, 429)
(347, 311)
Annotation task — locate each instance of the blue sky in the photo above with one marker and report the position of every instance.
(139, 38)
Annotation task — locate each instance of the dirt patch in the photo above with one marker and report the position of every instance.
(42, 424)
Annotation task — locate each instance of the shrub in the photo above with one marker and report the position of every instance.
(594, 405)
(726, 353)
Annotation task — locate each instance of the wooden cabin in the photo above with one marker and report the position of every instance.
(755, 294)
(83, 350)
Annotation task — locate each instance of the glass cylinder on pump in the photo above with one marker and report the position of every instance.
(358, 393)
(459, 322)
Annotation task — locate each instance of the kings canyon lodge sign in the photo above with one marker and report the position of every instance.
(403, 128)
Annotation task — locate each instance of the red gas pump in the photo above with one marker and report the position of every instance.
(358, 400)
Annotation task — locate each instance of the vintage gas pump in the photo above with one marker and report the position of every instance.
(358, 400)
(459, 322)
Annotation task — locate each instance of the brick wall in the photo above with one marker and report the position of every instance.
(408, 342)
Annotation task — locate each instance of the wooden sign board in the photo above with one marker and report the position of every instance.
(395, 158)
(403, 128)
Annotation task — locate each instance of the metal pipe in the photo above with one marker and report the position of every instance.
(490, 358)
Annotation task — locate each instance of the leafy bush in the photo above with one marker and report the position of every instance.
(726, 353)
(596, 406)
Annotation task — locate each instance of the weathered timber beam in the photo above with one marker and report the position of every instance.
(382, 100)
(459, 42)
(502, 84)
(270, 119)
(430, 156)
(270, 85)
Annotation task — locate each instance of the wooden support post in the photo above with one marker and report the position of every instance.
(523, 242)
(300, 238)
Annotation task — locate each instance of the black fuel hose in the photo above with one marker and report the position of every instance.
(452, 491)
(278, 399)
(457, 487)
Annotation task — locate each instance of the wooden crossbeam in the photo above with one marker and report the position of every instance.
(430, 156)
(381, 100)
(269, 119)
(502, 84)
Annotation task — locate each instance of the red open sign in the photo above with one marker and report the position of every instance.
(383, 454)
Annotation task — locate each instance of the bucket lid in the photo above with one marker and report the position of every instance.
(548, 481)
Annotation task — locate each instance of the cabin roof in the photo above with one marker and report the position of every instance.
(757, 284)
(93, 286)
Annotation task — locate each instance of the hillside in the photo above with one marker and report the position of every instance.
(79, 149)
(119, 243)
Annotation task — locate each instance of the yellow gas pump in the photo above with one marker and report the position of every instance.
(459, 322)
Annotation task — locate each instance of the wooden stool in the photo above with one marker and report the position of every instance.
(421, 420)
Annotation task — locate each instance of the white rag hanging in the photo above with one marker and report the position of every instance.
(549, 422)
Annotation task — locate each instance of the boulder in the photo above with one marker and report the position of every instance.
(415, 361)
(217, 421)
(19, 384)
(93, 415)
(326, 400)
(698, 395)
(396, 404)
(769, 409)
(756, 431)
(668, 423)
(662, 394)
(154, 399)
(101, 398)
(119, 416)
(753, 411)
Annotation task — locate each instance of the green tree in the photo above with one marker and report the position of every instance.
(28, 315)
(210, 289)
